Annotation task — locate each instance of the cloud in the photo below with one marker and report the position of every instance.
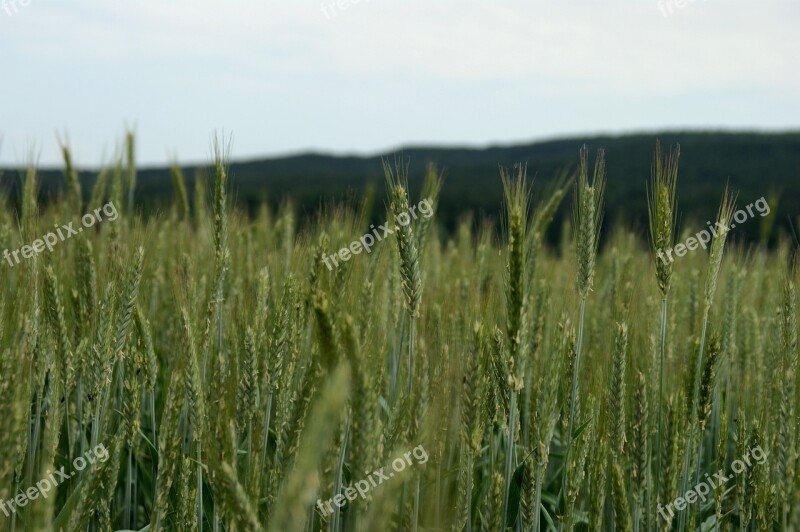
(184, 65)
(615, 44)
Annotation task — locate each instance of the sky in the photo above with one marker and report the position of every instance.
(368, 76)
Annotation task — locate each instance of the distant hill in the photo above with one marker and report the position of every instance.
(754, 164)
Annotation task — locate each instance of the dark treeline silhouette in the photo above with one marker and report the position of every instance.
(752, 164)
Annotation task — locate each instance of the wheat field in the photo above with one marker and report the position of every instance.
(236, 382)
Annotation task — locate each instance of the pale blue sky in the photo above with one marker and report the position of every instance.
(284, 77)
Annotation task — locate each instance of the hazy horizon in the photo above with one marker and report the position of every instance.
(243, 159)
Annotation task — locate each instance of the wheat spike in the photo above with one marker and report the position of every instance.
(397, 185)
(640, 434)
(622, 516)
(516, 194)
(617, 392)
(247, 395)
(724, 217)
(708, 381)
(588, 217)
(662, 212)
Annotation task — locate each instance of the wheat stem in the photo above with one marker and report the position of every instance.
(662, 350)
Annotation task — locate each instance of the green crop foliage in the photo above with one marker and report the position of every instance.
(234, 379)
